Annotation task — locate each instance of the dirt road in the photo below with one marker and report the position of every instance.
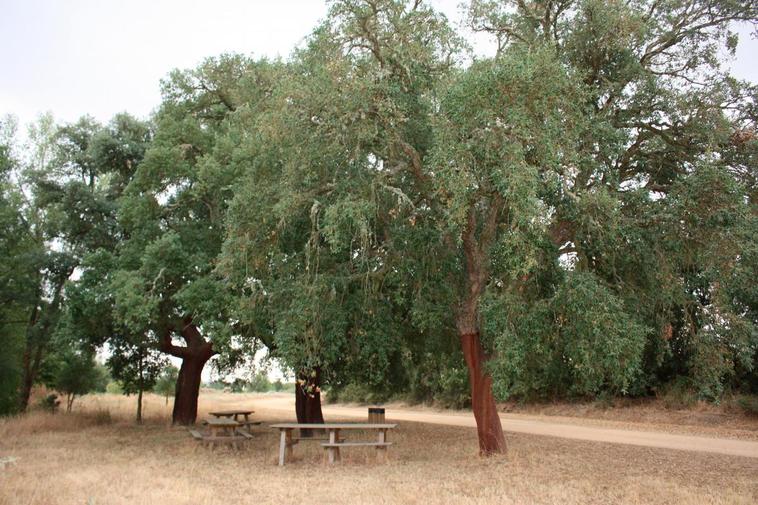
(523, 424)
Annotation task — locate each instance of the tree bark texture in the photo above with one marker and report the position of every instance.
(194, 356)
(188, 390)
(488, 426)
(308, 399)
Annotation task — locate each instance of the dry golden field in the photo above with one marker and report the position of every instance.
(97, 455)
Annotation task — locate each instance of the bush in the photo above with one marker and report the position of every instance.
(680, 393)
(166, 383)
(749, 404)
(115, 388)
(50, 403)
(78, 376)
(442, 379)
(259, 383)
(580, 342)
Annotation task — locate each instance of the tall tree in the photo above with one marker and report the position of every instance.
(662, 117)
(17, 247)
(173, 214)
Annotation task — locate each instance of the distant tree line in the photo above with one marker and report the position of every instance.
(387, 214)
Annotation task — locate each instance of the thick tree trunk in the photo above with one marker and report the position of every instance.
(488, 427)
(188, 389)
(194, 357)
(308, 400)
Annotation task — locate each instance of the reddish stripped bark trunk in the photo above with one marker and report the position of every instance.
(488, 426)
(308, 400)
(194, 357)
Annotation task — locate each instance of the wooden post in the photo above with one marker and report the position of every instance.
(381, 450)
(282, 444)
(333, 453)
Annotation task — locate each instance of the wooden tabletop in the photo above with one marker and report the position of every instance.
(335, 426)
(222, 422)
(231, 412)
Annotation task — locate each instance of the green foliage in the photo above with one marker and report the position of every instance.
(584, 200)
(135, 365)
(442, 379)
(10, 369)
(50, 403)
(114, 388)
(260, 383)
(579, 342)
(78, 376)
(749, 405)
(165, 385)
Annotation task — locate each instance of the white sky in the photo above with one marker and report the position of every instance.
(101, 57)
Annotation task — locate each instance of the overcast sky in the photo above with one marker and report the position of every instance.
(100, 57)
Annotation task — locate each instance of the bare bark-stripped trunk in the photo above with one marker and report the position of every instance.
(194, 355)
(308, 400)
(488, 426)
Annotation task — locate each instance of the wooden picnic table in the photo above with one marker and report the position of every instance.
(236, 414)
(223, 430)
(286, 440)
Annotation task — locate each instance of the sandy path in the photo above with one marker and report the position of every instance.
(521, 424)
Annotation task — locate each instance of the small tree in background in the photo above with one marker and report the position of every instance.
(166, 383)
(78, 376)
(136, 366)
(259, 383)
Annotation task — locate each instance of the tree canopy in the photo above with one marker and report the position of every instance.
(388, 213)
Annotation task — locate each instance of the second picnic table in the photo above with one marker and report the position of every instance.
(236, 414)
(334, 443)
(222, 430)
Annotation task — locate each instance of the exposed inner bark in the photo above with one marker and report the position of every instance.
(308, 399)
(488, 427)
(194, 357)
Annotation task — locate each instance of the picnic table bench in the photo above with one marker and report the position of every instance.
(222, 430)
(334, 443)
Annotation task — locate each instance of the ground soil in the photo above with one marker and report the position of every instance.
(98, 455)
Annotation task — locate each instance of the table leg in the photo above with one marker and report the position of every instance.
(333, 453)
(290, 444)
(381, 450)
(283, 436)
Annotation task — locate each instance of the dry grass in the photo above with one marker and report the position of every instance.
(90, 457)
